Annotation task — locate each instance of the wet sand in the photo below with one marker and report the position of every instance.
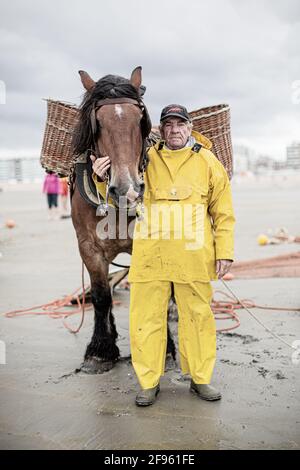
(44, 405)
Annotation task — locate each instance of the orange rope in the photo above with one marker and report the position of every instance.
(53, 309)
(292, 346)
(222, 309)
(82, 305)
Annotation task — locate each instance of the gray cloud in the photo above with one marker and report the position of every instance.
(242, 53)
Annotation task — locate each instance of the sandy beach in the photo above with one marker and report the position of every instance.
(45, 405)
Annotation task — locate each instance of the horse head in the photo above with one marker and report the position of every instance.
(114, 121)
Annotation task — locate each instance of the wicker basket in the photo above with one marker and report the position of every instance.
(56, 154)
(214, 123)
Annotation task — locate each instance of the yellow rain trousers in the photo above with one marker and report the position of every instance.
(188, 224)
(148, 330)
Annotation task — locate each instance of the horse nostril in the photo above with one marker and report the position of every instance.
(113, 191)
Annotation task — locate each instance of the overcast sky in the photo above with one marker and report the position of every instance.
(198, 53)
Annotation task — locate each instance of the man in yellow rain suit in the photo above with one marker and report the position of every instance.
(184, 238)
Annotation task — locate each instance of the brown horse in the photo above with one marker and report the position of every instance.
(113, 121)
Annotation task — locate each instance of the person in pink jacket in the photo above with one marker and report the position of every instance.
(51, 188)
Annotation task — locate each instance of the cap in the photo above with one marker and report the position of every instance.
(175, 110)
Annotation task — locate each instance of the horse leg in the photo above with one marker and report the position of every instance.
(171, 348)
(170, 362)
(102, 352)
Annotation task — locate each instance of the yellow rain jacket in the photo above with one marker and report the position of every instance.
(188, 219)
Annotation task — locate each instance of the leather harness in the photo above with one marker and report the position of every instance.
(83, 170)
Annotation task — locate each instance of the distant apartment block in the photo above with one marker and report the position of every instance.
(293, 155)
(21, 169)
(246, 159)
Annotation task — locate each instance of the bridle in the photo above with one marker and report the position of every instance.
(145, 125)
(145, 131)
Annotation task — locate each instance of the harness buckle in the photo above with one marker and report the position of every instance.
(196, 147)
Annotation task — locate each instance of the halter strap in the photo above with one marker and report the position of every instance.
(118, 101)
(108, 101)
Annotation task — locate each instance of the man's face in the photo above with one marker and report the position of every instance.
(175, 132)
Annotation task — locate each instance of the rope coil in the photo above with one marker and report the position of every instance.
(222, 309)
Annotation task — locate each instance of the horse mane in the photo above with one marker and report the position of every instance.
(110, 86)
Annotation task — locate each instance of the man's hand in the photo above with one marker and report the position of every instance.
(100, 165)
(222, 267)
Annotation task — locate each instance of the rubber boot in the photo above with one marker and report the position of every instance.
(205, 391)
(147, 397)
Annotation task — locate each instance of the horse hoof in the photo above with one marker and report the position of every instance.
(94, 365)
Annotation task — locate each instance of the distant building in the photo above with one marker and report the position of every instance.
(264, 162)
(293, 155)
(279, 165)
(21, 169)
(242, 156)
(245, 159)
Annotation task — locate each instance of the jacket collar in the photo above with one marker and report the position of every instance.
(201, 139)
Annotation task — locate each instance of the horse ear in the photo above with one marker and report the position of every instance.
(136, 77)
(86, 80)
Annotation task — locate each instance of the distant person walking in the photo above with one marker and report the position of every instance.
(64, 190)
(51, 188)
